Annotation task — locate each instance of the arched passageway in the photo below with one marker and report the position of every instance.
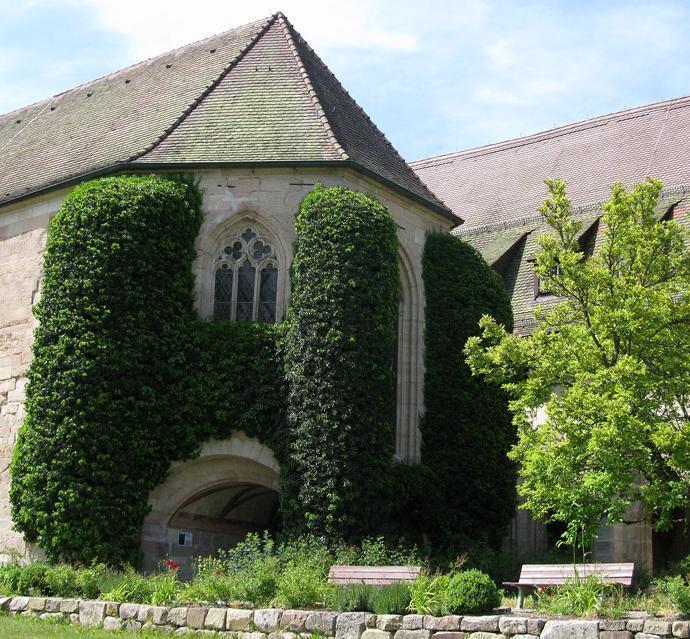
(211, 502)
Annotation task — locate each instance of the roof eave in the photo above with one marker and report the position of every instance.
(123, 167)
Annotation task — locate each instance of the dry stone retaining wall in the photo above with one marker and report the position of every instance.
(273, 623)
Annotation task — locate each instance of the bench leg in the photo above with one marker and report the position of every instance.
(521, 597)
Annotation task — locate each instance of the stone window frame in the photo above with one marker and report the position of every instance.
(234, 251)
(211, 242)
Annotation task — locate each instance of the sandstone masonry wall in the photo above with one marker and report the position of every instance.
(273, 623)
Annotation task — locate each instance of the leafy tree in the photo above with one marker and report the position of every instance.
(609, 361)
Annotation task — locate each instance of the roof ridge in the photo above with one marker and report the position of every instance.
(129, 66)
(547, 134)
(287, 29)
(362, 111)
(209, 89)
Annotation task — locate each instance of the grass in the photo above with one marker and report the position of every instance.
(31, 628)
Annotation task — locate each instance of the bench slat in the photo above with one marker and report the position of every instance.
(372, 575)
(558, 574)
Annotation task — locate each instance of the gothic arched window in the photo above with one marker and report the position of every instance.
(246, 282)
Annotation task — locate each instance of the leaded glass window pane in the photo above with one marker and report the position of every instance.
(267, 294)
(222, 304)
(245, 292)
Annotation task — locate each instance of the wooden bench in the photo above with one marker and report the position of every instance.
(543, 576)
(372, 575)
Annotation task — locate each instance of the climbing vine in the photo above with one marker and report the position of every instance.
(340, 350)
(124, 378)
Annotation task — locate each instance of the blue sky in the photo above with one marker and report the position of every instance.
(435, 76)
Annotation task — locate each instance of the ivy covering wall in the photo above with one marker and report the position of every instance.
(124, 378)
(467, 480)
(340, 354)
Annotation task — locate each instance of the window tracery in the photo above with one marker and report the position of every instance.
(246, 279)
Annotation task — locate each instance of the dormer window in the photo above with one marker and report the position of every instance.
(246, 279)
(540, 289)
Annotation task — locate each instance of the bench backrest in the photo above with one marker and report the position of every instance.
(372, 575)
(558, 574)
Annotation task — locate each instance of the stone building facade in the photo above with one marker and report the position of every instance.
(269, 122)
(260, 120)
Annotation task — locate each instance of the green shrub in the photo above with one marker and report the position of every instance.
(391, 600)
(374, 551)
(352, 598)
(62, 580)
(301, 585)
(24, 579)
(579, 596)
(470, 592)
(676, 590)
(339, 353)
(427, 594)
(155, 590)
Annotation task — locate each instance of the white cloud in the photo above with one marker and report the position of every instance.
(154, 26)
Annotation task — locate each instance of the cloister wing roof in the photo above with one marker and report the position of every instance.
(257, 94)
(504, 182)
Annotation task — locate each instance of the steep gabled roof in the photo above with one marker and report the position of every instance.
(503, 182)
(255, 95)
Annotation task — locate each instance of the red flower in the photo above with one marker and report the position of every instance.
(172, 565)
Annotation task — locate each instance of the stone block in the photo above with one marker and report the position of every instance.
(37, 604)
(91, 613)
(513, 625)
(646, 635)
(370, 620)
(253, 635)
(196, 617)
(237, 619)
(570, 629)
(322, 623)
(112, 608)
(294, 620)
(634, 625)
(183, 630)
(389, 622)
(129, 611)
(615, 634)
(69, 605)
(612, 624)
(74, 617)
(267, 619)
(177, 616)
(287, 635)
(215, 619)
(681, 629)
(535, 626)
(413, 622)
(50, 615)
(413, 634)
(486, 635)
(350, 625)
(444, 634)
(5, 602)
(113, 623)
(159, 615)
(661, 627)
(132, 625)
(486, 623)
(527, 636)
(52, 604)
(448, 622)
(18, 604)
(145, 613)
(374, 633)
